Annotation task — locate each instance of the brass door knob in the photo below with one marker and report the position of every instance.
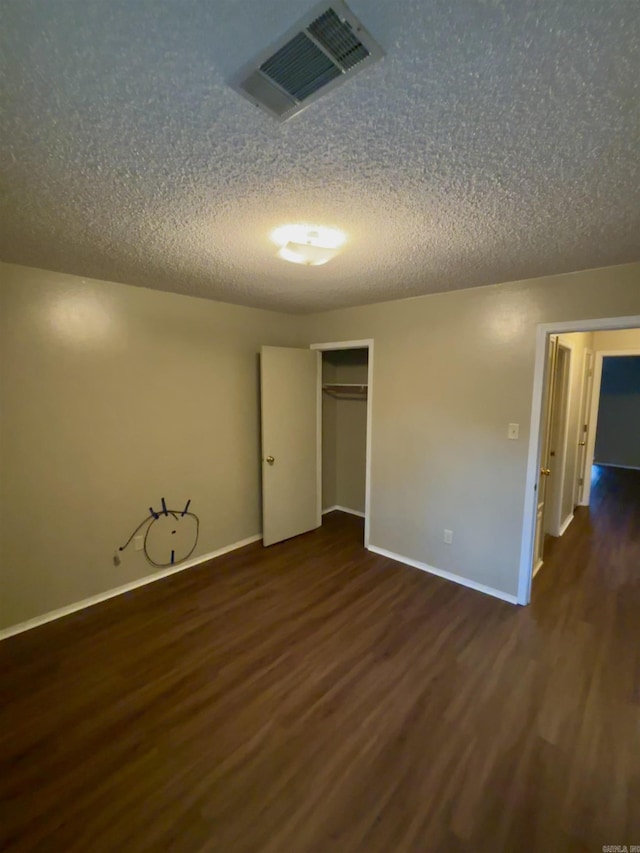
(582, 443)
(545, 471)
(270, 460)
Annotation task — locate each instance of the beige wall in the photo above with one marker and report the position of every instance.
(112, 397)
(450, 372)
(619, 339)
(351, 457)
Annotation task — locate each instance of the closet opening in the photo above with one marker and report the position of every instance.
(344, 442)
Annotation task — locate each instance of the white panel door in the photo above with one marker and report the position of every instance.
(289, 408)
(558, 443)
(583, 428)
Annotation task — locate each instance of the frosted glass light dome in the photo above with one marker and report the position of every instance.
(311, 245)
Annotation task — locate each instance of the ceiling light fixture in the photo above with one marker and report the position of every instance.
(311, 245)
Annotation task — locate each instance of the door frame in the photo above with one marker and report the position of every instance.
(546, 419)
(543, 331)
(558, 523)
(600, 355)
(337, 345)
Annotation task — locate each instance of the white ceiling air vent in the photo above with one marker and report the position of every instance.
(317, 54)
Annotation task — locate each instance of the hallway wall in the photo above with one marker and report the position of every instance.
(618, 339)
(614, 418)
(579, 342)
(618, 433)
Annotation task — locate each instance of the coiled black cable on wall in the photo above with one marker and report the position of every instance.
(152, 519)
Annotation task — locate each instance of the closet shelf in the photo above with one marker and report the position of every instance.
(346, 390)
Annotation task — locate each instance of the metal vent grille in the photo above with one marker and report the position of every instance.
(274, 99)
(338, 39)
(300, 67)
(313, 57)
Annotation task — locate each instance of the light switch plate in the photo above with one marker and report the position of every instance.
(513, 432)
(448, 537)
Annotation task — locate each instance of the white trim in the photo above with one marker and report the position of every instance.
(533, 466)
(367, 343)
(565, 441)
(595, 408)
(606, 465)
(112, 593)
(367, 499)
(449, 576)
(600, 324)
(565, 524)
(533, 460)
(337, 508)
(363, 344)
(351, 511)
(319, 440)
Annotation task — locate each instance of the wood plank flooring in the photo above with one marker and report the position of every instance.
(314, 697)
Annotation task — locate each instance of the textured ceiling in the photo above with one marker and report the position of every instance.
(495, 141)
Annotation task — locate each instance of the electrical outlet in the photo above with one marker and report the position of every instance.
(513, 432)
(448, 537)
(138, 543)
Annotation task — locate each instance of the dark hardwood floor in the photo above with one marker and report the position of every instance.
(314, 697)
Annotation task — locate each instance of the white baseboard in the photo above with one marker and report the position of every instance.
(112, 593)
(350, 511)
(565, 524)
(344, 509)
(479, 587)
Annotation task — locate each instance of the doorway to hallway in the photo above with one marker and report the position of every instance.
(565, 410)
(599, 556)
